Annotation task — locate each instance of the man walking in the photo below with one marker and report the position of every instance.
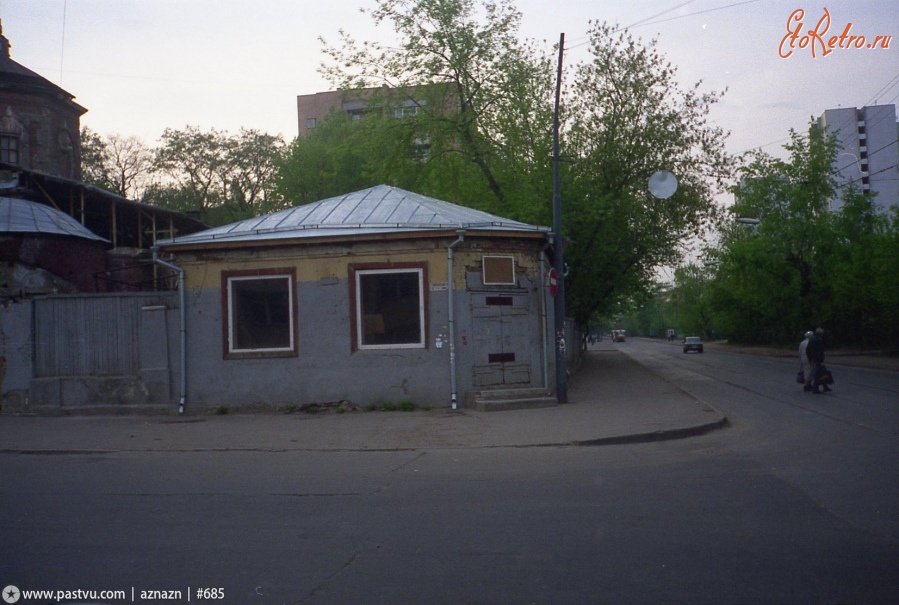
(804, 364)
(815, 352)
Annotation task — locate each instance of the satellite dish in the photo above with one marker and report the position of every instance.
(662, 184)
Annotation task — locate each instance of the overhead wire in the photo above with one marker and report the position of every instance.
(649, 20)
(890, 84)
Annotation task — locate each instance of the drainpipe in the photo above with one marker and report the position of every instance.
(452, 314)
(543, 326)
(183, 314)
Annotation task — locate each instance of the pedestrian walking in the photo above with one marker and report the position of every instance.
(815, 352)
(805, 368)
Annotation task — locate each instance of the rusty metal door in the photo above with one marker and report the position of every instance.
(501, 337)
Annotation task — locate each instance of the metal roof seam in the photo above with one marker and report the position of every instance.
(386, 210)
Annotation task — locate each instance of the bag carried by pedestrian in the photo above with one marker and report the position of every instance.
(800, 377)
(826, 375)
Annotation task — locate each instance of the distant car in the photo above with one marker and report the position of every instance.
(618, 335)
(692, 343)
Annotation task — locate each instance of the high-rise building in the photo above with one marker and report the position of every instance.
(869, 151)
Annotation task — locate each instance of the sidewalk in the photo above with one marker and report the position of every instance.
(612, 399)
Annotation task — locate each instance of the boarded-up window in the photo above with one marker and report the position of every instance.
(499, 270)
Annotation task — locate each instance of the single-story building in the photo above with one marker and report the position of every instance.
(381, 295)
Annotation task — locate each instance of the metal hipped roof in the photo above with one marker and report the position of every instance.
(375, 211)
(22, 216)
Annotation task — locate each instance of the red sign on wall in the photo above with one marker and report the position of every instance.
(553, 282)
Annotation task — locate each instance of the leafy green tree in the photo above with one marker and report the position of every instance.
(772, 282)
(226, 178)
(93, 158)
(482, 98)
(252, 159)
(194, 163)
(486, 111)
(331, 160)
(804, 265)
(862, 275)
(648, 315)
(627, 118)
(689, 307)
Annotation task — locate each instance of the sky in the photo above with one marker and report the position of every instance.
(141, 66)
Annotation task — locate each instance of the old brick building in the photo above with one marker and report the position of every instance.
(39, 121)
(58, 233)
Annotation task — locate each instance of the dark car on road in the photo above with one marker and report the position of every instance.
(692, 343)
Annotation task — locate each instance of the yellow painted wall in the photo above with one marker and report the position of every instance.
(317, 263)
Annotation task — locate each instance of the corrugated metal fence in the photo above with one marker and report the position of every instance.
(91, 335)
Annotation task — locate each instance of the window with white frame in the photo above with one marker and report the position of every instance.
(260, 311)
(498, 270)
(407, 110)
(389, 307)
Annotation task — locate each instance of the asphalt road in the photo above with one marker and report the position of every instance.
(842, 447)
(795, 503)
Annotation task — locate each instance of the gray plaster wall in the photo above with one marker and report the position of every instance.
(325, 369)
(153, 381)
(15, 353)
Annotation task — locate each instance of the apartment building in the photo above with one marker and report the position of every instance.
(313, 108)
(869, 151)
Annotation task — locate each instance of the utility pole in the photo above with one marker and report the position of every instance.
(558, 262)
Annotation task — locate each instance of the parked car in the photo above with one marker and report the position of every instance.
(692, 343)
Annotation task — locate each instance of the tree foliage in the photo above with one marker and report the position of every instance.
(115, 162)
(804, 265)
(226, 178)
(483, 98)
(341, 155)
(487, 114)
(770, 274)
(628, 117)
(223, 177)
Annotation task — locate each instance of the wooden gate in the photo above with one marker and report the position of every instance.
(92, 334)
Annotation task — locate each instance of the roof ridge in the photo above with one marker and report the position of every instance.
(343, 214)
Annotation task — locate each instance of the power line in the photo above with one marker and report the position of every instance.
(62, 46)
(664, 12)
(648, 20)
(708, 10)
(892, 82)
(885, 88)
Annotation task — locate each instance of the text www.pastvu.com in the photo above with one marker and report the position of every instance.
(11, 594)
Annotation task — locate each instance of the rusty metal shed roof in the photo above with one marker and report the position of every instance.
(22, 216)
(376, 211)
